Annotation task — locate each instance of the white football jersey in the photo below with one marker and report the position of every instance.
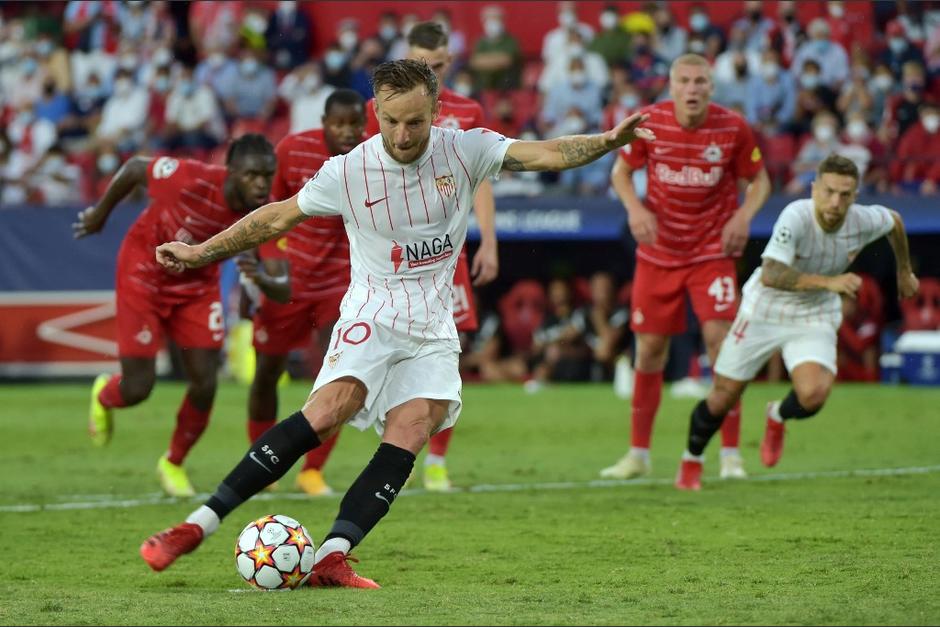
(406, 224)
(799, 242)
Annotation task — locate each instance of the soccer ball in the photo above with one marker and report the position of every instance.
(274, 552)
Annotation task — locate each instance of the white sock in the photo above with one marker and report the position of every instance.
(729, 451)
(689, 457)
(775, 412)
(331, 546)
(205, 518)
(433, 460)
(642, 453)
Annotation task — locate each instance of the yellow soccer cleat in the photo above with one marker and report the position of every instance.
(311, 481)
(173, 478)
(100, 418)
(435, 478)
(630, 466)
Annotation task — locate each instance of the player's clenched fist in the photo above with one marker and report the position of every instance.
(177, 256)
(847, 284)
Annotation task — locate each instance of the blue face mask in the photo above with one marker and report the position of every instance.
(822, 45)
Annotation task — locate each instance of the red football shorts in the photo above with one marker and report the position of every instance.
(465, 309)
(279, 328)
(658, 298)
(142, 319)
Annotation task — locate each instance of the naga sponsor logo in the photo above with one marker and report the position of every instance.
(421, 253)
(689, 175)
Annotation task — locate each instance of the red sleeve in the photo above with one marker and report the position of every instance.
(749, 161)
(274, 249)
(372, 122)
(279, 189)
(166, 176)
(635, 154)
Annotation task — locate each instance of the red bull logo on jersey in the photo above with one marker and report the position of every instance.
(446, 185)
(421, 253)
(689, 175)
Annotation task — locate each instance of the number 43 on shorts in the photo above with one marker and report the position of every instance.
(722, 290)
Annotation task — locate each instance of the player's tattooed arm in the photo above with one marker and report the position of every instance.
(783, 277)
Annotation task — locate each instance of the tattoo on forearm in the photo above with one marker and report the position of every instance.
(780, 275)
(243, 235)
(514, 165)
(579, 150)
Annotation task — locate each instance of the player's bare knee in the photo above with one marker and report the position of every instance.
(812, 396)
(333, 404)
(720, 401)
(136, 389)
(651, 352)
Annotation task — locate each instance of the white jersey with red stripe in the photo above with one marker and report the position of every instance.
(406, 224)
(799, 242)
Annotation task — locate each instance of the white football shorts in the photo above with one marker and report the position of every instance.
(394, 367)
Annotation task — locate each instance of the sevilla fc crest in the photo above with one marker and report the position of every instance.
(446, 185)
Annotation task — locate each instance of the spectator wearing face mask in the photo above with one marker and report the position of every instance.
(812, 98)
(218, 70)
(701, 29)
(916, 165)
(306, 94)
(899, 50)
(53, 61)
(755, 25)
(881, 87)
(124, 114)
(52, 104)
(647, 71)
(832, 58)
(54, 180)
(336, 66)
(624, 99)
(252, 91)
(671, 39)
(824, 142)
(215, 25)
(87, 104)
(859, 136)
(193, 117)
(496, 61)
(734, 92)
(556, 70)
(575, 92)
(611, 41)
(388, 32)
(29, 138)
(724, 69)
(771, 96)
(370, 54)
(288, 36)
(902, 110)
(855, 95)
(160, 85)
(554, 41)
(786, 33)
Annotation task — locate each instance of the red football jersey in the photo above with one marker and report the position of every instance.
(317, 248)
(692, 179)
(457, 112)
(187, 204)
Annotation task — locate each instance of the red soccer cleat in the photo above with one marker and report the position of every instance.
(690, 475)
(161, 549)
(771, 448)
(334, 570)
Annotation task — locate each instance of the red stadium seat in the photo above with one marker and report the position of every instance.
(779, 152)
(624, 295)
(922, 313)
(521, 311)
(871, 300)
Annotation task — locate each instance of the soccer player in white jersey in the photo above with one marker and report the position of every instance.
(404, 196)
(793, 302)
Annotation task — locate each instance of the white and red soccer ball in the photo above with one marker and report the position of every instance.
(274, 553)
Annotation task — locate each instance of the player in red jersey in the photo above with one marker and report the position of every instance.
(192, 201)
(428, 41)
(689, 230)
(315, 257)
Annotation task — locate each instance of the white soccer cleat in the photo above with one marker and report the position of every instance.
(732, 467)
(630, 466)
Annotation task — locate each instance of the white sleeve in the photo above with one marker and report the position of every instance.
(787, 230)
(485, 151)
(877, 221)
(320, 194)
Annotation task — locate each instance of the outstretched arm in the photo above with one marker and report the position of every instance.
(783, 277)
(255, 228)
(131, 174)
(907, 281)
(572, 151)
(485, 265)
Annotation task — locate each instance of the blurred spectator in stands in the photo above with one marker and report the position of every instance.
(556, 70)
(520, 183)
(603, 325)
(881, 87)
(840, 29)
(30, 137)
(858, 342)
(754, 25)
(702, 29)
(253, 27)
(53, 61)
(347, 36)
(497, 59)
(916, 163)
(252, 91)
(161, 82)
(92, 26)
(52, 105)
(29, 80)
(671, 39)
(624, 99)
(611, 41)
(734, 93)
(902, 110)
(370, 54)
(336, 66)
(193, 117)
(641, 21)
(855, 95)
(463, 83)
(724, 69)
(813, 97)
(214, 25)
(493, 356)
(912, 19)
(824, 142)
(306, 93)
(148, 25)
(6, 177)
(217, 70)
(576, 91)
(832, 58)
(559, 350)
(289, 36)
(87, 105)
(502, 117)
(399, 48)
(53, 180)
(388, 32)
(771, 98)
(647, 71)
(900, 50)
(457, 40)
(788, 32)
(554, 42)
(124, 114)
(932, 51)
(857, 134)
(106, 164)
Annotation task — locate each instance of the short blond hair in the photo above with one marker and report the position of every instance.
(690, 59)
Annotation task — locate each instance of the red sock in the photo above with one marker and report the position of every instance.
(257, 427)
(317, 457)
(440, 441)
(190, 423)
(731, 427)
(110, 394)
(647, 392)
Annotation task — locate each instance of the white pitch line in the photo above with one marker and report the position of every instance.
(156, 499)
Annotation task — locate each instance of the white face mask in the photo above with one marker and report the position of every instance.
(464, 89)
(629, 101)
(256, 23)
(698, 22)
(122, 86)
(348, 39)
(769, 70)
(334, 60)
(574, 125)
(311, 82)
(931, 123)
(162, 57)
(287, 7)
(575, 50)
(809, 81)
(857, 130)
(388, 32)
(882, 82)
(578, 78)
(608, 20)
(108, 163)
(836, 10)
(824, 133)
(493, 28)
(697, 46)
(249, 66)
(216, 59)
(567, 18)
(897, 44)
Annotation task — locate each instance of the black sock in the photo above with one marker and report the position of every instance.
(790, 408)
(268, 459)
(702, 426)
(371, 495)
